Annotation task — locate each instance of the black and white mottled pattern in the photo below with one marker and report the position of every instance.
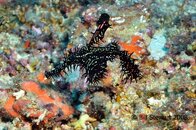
(94, 60)
(103, 25)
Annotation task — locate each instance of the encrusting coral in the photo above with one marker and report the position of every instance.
(25, 107)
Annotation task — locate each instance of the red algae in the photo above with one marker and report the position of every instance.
(44, 97)
(9, 106)
(2, 2)
(27, 44)
(23, 107)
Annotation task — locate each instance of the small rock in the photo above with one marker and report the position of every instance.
(3, 128)
(19, 94)
(118, 20)
(193, 72)
(37, 30)
(112, 128)
(150, 32)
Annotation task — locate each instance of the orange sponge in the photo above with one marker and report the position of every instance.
(133, 47)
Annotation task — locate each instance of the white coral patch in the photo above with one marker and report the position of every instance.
(19, 94)
(155, 102)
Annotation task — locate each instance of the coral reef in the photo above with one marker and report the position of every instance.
(95, 52)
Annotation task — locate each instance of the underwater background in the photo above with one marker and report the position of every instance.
(97, 65)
